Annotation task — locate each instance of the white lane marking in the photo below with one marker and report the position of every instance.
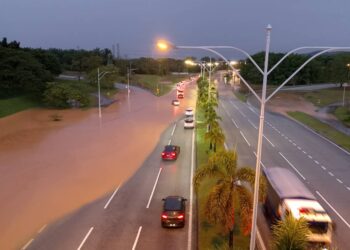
(278, 131)
(340, 181)
(27, 245)
(110, 199)
(262, 244)
(169, 142)
(252, 124)
(309, 156)
(348, 188)
(189, 237)
(42, 229)
(335, 211)
(245, 138)
(282, 135)
(269, 141)
(324, 138)
(137, 238)
(286, 137)
(154, 188)
(85, 238)
(317, 162)
(242, 113)
(234, 105)
(172, 133)
(252, 110)
(228, 114)
(304, 152)
(290, 141)
(299, 148)
(330, 173)
(234, 122)
(294, 144)
(262, 164)
(292, 165)
(323, 167)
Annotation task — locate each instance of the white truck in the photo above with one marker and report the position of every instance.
(286, 194)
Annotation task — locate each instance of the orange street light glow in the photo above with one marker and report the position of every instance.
(162, 45)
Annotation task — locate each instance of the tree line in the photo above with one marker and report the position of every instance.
(331, 67)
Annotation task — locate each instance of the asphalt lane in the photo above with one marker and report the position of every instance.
(321, 165)
(129, 217)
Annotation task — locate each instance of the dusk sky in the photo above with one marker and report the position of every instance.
(136, 24)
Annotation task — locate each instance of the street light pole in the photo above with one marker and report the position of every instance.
(260, 135)
(99, 93)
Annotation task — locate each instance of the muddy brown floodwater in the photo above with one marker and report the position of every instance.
(48, 169)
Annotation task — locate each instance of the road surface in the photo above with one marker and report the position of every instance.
(324, 167)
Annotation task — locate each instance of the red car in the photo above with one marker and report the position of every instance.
(170, 152)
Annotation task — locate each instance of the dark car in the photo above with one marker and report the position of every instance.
(174, 209)
(170, 152)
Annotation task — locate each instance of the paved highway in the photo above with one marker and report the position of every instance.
(323, 166)
(129, 217)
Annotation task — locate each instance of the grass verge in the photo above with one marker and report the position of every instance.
(343, 115)
(209, 235)
(16, 104)
(323, 129)
(158, 85)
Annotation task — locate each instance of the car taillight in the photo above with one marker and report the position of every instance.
(173, 153)
(181, 216)
(163, 154)
(164, 216)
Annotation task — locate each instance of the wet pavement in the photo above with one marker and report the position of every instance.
(48, 168)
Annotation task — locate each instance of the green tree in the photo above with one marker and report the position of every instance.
(231, 191)
(290, 234)
(215, 136)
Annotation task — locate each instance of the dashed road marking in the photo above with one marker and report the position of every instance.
(42, 228)
(299, 148)
(252, 124)
(309, 156)
(110, 199)
(269, 141)
(323, 167)
(317, 162)
(154, 187)
(137, 238)
(304, 152)
(234, 122)
(172, 133)
(27, 245)
(292, 165)
(245, 138)
(340, 181)
(330, 173)
(335, 211)
(85, 238)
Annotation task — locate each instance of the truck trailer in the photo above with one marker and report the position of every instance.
(286, 194)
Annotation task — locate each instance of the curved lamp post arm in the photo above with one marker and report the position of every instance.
(240, 50)
(325, 50)
(207, 48)
(300, 48)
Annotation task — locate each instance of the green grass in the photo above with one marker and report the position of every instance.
(153, 82)
(325, 97)
(327, 131)
(343, 115)
(16, 104)
(210, 236)
(240, 96)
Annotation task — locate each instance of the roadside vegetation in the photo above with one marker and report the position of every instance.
(323, 129)
(223, 189)
(158, 85)
(13, 105)
(290, 233)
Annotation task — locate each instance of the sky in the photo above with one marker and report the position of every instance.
(136, 24)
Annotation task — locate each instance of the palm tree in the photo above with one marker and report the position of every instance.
(215, 136)
(290, 234)
(228, 192)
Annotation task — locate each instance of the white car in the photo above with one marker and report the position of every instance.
(189, 122)
(175, 102)
(189, 111)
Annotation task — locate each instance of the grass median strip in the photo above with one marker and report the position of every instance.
(323, 129)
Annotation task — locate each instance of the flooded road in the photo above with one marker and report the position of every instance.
(48, 169)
